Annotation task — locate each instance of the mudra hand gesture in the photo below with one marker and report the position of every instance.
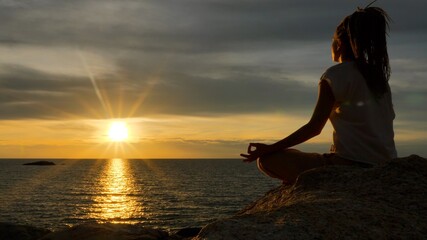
(257, 150)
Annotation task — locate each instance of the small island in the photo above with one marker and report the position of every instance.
(40, 163)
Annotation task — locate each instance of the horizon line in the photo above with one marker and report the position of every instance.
(61, 158)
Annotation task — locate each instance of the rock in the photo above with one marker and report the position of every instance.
(337, 202)
(186, 233)
(107, 231)
(9, 231)
(40, 163)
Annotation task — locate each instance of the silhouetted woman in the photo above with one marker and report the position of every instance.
(354, 95)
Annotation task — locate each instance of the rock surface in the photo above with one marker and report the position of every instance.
(107, 231)
(40, 163)
(94, 231)
(187, 232)
(9, 231)
(337, 202)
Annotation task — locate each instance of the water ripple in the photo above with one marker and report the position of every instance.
(161, 193)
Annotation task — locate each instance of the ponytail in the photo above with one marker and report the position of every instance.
(366, 31)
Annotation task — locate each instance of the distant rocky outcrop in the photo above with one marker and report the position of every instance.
(40, 163)
(337, 202)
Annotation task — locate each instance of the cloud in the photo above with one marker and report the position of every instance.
(28, 93)
(188, 57)
(188, 26)
(234, 94)
(182, 26)
(410, 104)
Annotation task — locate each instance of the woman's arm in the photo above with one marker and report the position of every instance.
(325, 103)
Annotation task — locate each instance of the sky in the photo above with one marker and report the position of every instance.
(191, 78)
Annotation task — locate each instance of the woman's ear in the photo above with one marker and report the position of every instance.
(336, 50)
(338, 45)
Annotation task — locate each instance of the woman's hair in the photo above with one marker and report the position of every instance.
(364, 33)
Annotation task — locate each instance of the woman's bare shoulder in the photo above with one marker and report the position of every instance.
(338, 69)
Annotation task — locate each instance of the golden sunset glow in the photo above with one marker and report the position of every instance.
(118, 132)
(116, 183)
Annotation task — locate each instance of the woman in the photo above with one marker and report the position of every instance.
(354, 95)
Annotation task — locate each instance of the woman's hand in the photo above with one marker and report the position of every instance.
(257, 150)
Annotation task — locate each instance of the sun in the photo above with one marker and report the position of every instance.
(118, 132)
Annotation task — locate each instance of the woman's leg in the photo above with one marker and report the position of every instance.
(288, 164)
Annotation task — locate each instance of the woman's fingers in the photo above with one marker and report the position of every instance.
(250, 148)
(248, 158)
(252, 145)
(253, 152)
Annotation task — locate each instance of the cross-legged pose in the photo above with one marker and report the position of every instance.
(354, 95)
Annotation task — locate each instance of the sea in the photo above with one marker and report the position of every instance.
(161, 193)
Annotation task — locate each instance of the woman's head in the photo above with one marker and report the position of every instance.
(361, 36)
(341, 47)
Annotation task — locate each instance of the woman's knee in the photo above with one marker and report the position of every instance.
(265, 165)
(267, 161)
(262, 163)
(288, 164)
(270, 161)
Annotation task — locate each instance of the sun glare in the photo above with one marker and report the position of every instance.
(118, 132)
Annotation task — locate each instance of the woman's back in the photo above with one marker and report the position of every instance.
(363, 123)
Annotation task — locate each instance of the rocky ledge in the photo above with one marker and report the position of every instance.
(94, 231)
(338, 202)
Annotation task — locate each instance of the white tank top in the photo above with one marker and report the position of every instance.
(363, 124)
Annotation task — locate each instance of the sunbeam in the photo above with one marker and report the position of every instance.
(94, 84)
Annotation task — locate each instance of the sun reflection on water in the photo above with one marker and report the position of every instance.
(115, 201)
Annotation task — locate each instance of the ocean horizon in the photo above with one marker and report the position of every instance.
(162, 193)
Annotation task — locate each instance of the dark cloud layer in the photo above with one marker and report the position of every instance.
(163, 25)
(173, 57)
(27, 93)
(188, 25)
